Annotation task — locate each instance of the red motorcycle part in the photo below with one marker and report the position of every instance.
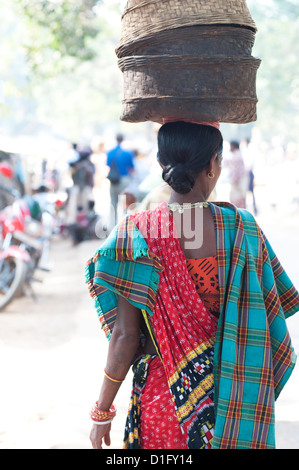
(6, 170)
(17, 252)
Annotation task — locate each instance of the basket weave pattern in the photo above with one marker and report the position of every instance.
(203, 41)
(142, 18)
(194, 80)
(151, 109)
(188, 60)
(198, 77)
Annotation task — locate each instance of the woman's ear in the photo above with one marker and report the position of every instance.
(211, 167)
(216, 160)
(213, 159)
(214, 168)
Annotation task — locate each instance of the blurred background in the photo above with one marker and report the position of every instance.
(60, 102)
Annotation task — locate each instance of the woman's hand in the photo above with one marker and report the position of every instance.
(98, 433)
(123, 345)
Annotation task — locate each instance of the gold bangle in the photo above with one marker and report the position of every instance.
(113, 380)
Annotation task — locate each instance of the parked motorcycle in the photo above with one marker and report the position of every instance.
(6, 178)
(24, 244)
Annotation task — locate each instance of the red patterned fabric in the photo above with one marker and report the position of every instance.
(184, 330)
(159, 426)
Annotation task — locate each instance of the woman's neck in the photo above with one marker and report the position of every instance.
(191, 197)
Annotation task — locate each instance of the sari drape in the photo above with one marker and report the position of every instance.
(184, 330)
(253, 355)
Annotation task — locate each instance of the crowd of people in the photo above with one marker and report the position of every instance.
(105, 181)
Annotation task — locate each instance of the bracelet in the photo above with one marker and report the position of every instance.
(113, 380)
(102, 417)
(99, 423)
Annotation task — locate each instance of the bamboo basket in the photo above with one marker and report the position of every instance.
(184, 65)
(142, 18)
(202, 41)
(206, 89)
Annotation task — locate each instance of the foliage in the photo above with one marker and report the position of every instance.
(279, 9)
(63, 70)
(57, 29)
(277, 44)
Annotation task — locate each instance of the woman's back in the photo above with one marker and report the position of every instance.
(197, 233)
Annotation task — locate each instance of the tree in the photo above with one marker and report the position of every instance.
(63, 72)
(277, 44)
(58, 29)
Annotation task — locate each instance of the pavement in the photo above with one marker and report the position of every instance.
(53, 353)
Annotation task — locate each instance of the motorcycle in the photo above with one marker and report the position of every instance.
(23, 246)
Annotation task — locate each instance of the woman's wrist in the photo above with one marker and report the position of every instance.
(109, 390)
(100, 416)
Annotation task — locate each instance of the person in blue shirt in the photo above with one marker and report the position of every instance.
(121, 166)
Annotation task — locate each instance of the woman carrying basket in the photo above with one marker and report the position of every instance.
(192, 294)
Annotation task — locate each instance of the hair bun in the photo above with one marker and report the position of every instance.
(178, 178)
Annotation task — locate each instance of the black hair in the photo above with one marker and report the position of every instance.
(184, 150)
(235, 144)
(119, 138)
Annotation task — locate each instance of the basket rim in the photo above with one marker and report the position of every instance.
(172, 61)
(197, 18)
(144, 3)
(190, 98)
(133, 112)
(142, 34)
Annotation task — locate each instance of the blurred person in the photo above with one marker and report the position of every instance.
(200, 314)
(85, 226)
(99, 158)
(238, 176)
(41, 194)
(74, 155)
(248, 155)
(155, 196)
(80, 194)
(141, 171)
(20, 173)
(121, 164)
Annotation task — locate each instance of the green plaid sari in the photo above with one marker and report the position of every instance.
(253, 356)
(253, 353)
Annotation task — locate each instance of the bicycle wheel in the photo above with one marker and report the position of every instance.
(12, 275)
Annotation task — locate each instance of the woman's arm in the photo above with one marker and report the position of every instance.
(123, 346)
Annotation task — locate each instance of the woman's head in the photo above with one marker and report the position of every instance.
(185, 150)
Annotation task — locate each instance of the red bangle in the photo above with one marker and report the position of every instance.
(113, 380)
(100, 416)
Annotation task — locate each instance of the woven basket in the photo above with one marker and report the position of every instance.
(209, 89)
(201, 41)
(188, 60)
(143, 18)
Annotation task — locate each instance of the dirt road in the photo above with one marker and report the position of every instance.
(53, 354)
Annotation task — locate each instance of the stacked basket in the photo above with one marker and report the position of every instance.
(188, 59)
